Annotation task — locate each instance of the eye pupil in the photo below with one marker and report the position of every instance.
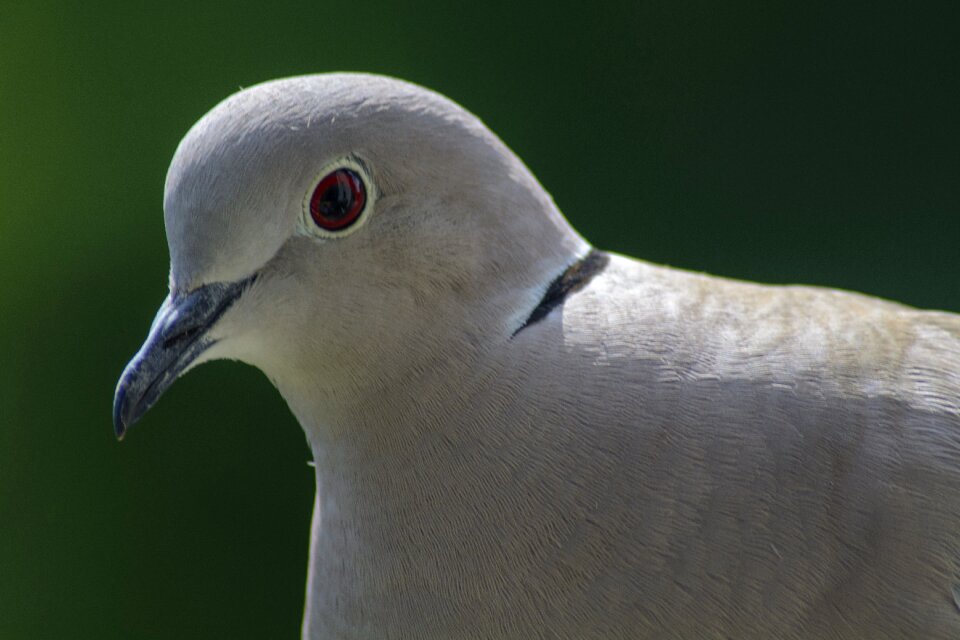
(338, 200)
(335, 201)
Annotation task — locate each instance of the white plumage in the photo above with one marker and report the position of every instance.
(517, 436)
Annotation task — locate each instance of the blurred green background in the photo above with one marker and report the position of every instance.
(778, 141)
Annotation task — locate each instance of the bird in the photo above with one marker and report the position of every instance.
(517, 435)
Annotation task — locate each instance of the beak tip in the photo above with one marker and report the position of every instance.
(120, 420)
(119, 430)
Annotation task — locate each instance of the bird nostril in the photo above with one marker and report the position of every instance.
(181, 337)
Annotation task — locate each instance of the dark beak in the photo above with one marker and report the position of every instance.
(177, 337)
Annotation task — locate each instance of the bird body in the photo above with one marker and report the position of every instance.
(518, 436)
(667, 453)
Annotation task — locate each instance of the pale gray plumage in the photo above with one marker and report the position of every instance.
(664, 455)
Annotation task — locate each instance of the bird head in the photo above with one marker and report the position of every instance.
(340, 231)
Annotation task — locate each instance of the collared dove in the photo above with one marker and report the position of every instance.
(519, 436)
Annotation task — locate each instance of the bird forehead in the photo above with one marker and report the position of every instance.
(262, 136)
(328, 106)
(237, 181)
(226, 204)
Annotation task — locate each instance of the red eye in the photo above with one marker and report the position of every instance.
(338, 200)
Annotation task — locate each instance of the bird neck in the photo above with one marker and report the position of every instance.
(384, 472)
